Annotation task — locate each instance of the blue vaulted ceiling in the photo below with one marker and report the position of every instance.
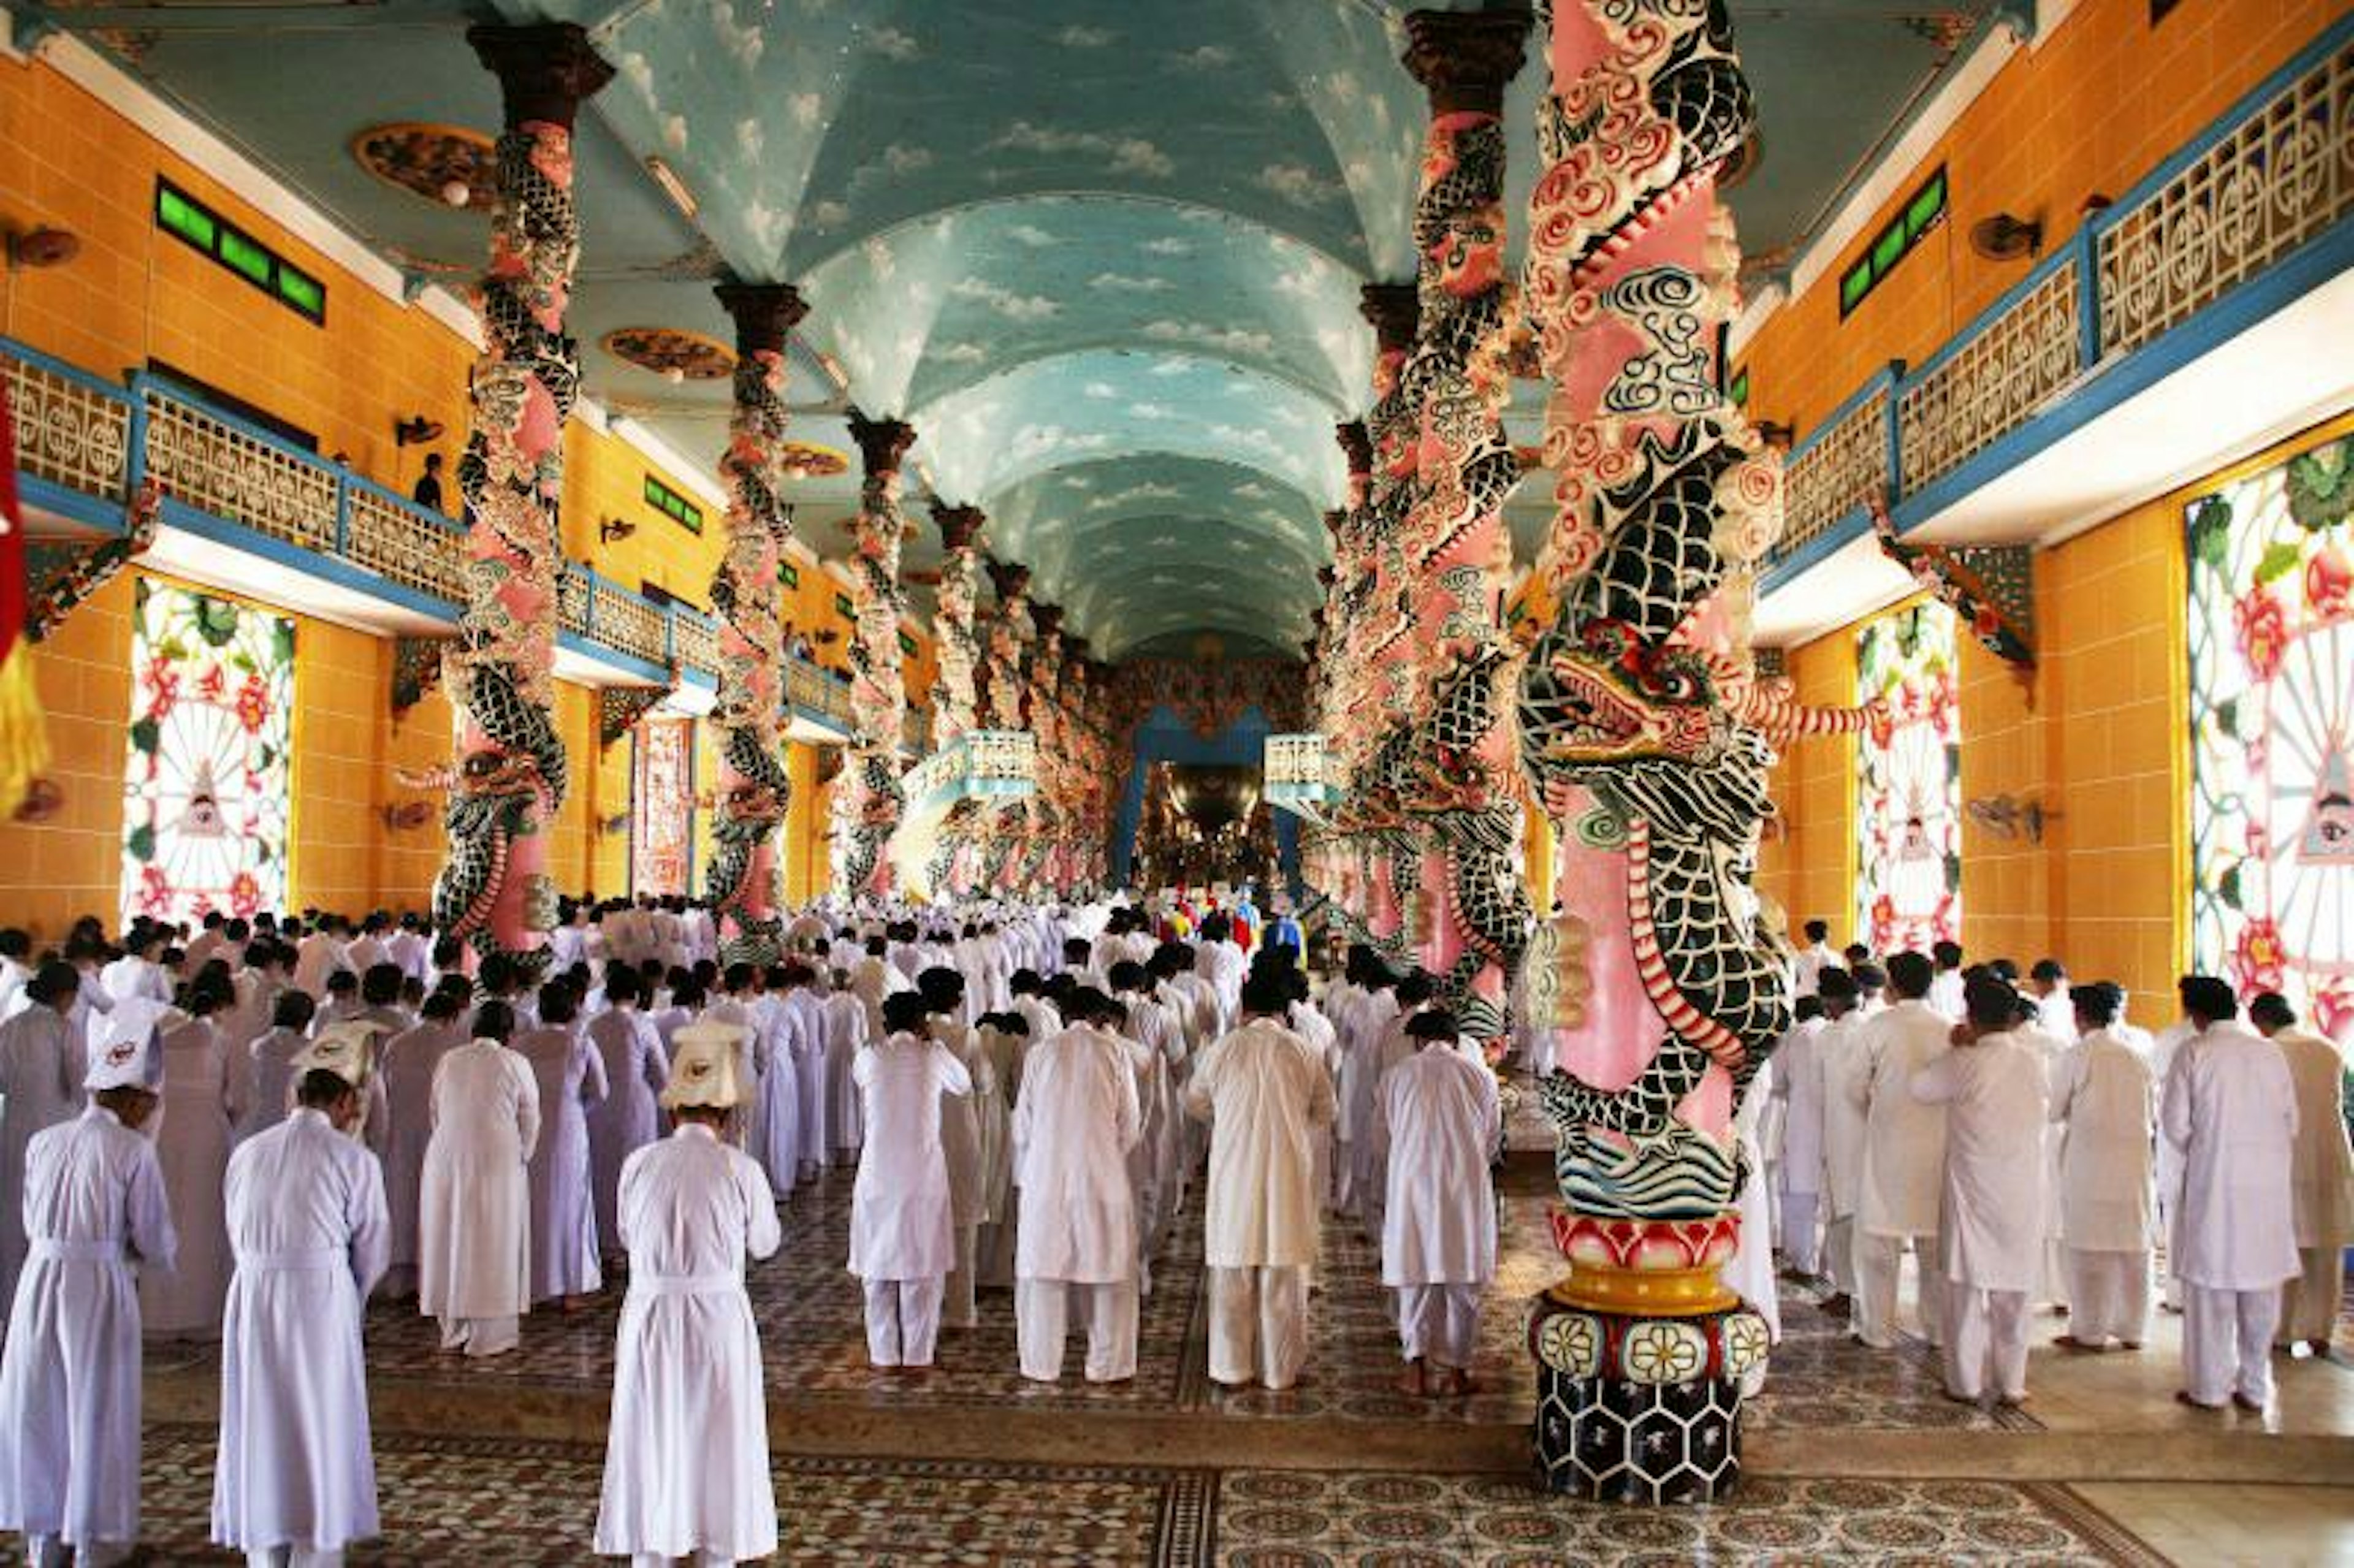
(1103, 254)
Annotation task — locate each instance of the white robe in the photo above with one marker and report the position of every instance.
(191, 1141)
(1072, 1130)
(1847, 1089)
(901, 1225)
(2104, 1100)
(1905, 1137)
(94, 1205)
(1265, 1097)
(845, 1035)
(473, 1230)
(405, 1071)
(1439, 1114)
(2321, 1169)
(1991, 1226)
(307, 1221)
(629, 1116)
(40, 1078)
(569, 1077)
(686, 1453)
(2231, 1108)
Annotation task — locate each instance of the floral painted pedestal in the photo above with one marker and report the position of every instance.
(1641, 1356)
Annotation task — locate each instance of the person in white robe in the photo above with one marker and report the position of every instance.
(1076, 1123)
(629, 1116)
(2166, 1045)
(2321, 1177)
(2104, 1103)
(964, 1145)
(902, 1216)
(1846, 1064)
(294, 1482)
(686, 1450)
(1904, 1156)
(1808, 963)
(795, 983)
(269, 1061)
(1381, 1048)
(2052, 1049)
(1946, 990)
(1796, 1087)
(40, 1085)
(473, 1213)
(95, 1211)
(2229, 1106)
(404, 1071)
(16, 969)
(569, 1077)
(845, 1035)
(1004, 1039)
(1264, 1095)
(1146, 1030)
(1439, 1112)
(193, 1133)
(1991, 1087)
(1750, 1274)
(137, 974)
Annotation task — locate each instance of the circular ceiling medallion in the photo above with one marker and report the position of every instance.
(804, 460)
(672, 352)
(440, 163)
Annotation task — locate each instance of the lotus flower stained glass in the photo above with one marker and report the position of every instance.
(208, 773)
(1908, 885)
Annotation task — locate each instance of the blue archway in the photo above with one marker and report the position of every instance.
(1165, 738)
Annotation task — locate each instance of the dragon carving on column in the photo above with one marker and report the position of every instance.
(1461, 786)
(510, 776)
(959, 708)
(756, 790)
(1011, 706)
(871, 796)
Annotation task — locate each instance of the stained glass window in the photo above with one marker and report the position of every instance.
(2272, 733)
(660, 817)
(209, 770)
(1908, 885)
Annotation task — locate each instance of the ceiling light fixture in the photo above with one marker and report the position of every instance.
(673, 186)
(457, 193)
(415, 430)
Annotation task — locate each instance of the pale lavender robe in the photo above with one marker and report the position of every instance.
(405, 1073)
(191, 1141)
(40, 1077)
(628, 1117)
(570, 1077)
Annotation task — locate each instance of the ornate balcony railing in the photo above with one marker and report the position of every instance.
(1299, 776)
(2271, 177)
(981, 764)
(84, 447)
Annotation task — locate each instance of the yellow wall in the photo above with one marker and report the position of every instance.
(2102, 101)
(1807, 863)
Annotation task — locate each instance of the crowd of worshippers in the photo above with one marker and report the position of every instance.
(245, 1131)
(2029, 1146)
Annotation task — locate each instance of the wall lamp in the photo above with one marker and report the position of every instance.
(415, 430)
(614, 529)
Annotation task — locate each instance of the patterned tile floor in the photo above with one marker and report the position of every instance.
(809, 1307)
(470, 1500)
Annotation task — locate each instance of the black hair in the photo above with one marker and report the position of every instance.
(494, 1020)
(1912, 974)
(1818, 929)
(2271, 1011)
(2100, 1000)
(1992, 1002)
(320, 1088)
(293, 1010)
(904, 1011)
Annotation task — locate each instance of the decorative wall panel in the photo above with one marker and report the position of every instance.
(1908, 888)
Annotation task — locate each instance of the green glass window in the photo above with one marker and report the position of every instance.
(194, 224)
(1923, 211)
(673, 505)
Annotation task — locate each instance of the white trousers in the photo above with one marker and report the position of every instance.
(1258, 1325)
(1802, 1241)
(1344, 1175)
(1879, 1265)
(2108, 1294)
(1838, 1253)
(1985, 1340)
(1042, 1315)
(49, 1552)
(956, 1309)
(2051, 1280)
(2309, 1302)
(902, 1320)
(482, 1336)
(1439, 1323)
(295, 1557)
(2227, 1342)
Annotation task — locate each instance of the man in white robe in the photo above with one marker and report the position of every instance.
(1946, 990)
(1844, 1063)
(686, 1451)
(967, 1148)
(902, 1217)
(94, 1210)
(1990, 1088)
(295, 1480)
(2104, 1102)
(1797, 1088)
(627, 1118)
(2229, 1106)
(1265, 1097)
(40, 1085)
(474, 1200)
(1812, 959)
(1077, 1121)
(136, 973)
(1904, 1157)
(2321, 1177)
(1439, 1114)
(845, 1034)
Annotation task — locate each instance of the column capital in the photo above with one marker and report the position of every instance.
(763, 313)
(545, 70)
(1394, 308)
(1465, 58)
(1046, 617)
(960, 525)
(1075, 648)
(1011, 578)
(1328, 576)
(882, 444)
(1356, 445)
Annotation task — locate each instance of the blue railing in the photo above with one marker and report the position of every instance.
(85, 447)
(2245, 218)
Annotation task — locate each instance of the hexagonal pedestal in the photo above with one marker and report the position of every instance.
(1640, 1409)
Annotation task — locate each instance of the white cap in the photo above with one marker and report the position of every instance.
(346, 1049)
(120, 1055)
(703, 1066)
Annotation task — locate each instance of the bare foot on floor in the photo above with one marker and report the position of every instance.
(1412, 1381)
